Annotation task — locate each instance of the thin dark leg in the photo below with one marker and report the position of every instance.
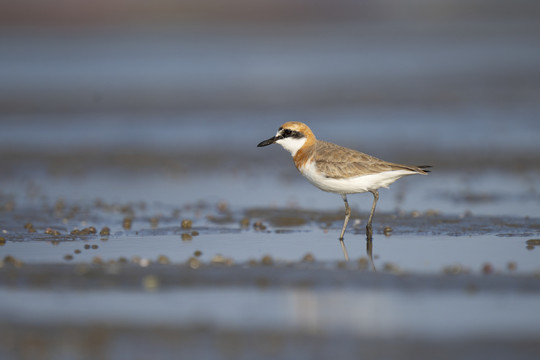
(347, 215)
(369, 230)
(369, 251)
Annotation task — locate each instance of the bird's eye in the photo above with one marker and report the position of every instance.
(287, 132)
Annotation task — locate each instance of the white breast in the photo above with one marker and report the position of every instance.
(351, 185)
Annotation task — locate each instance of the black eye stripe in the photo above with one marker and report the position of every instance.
(285, 133)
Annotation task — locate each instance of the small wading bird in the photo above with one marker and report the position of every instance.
(337, 169)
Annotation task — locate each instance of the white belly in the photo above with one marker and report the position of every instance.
(352, 185)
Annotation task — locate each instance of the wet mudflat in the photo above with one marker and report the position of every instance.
(139, 220)
(87, 276)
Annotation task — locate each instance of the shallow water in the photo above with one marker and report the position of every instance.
(160, 126)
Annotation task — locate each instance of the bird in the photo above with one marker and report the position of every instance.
(337, 169)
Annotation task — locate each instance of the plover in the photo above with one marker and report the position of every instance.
(338, 169)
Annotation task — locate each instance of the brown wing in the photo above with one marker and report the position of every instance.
(339, 162)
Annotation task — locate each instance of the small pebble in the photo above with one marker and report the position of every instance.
(259, 226)
(512, 266)
(144, 262)
(223, 207)
(308, 258)
(53, 232)
(194, 263)
(186, 237)
(163, 260)
(95, 246)
(244, 223)
(195, 233)
(68, 257)
(105, 231)
(2, 241)
(77, 251)
(218, 259)
(197, 253)
(453, 269)
(86, 246)
(187, 224)
(387, 231)
(267, 260)
(126, 223)
(487, 268)
(97, 260)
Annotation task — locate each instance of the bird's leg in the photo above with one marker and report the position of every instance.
(369, 251)
(347, 215)
(369, 230)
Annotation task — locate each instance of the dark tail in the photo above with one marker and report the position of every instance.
(424, 167)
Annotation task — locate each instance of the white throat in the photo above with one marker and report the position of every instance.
(292, 145)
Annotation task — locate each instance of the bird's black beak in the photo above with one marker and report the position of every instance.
(268, 142)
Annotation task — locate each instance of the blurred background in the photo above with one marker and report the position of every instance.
(188, 87)
(134, 115)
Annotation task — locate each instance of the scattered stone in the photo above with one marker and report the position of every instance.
(308, 258)
(453, 269)
(511, 266)
(77, 251)
(86, 246)
(194, 233)
(2, 241)
(197, 253)
(267, 260)
(68, 257)
(97, 260)
(186, 237)
(244, 223)
(487, 269)
(194, 263)
(126, 223)
(94, 247)
(387, 231)
(29, 227)
(259, 226)
(218, 259)
(163, 260)
(186, 224)
(223, 207)
(53, 232)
